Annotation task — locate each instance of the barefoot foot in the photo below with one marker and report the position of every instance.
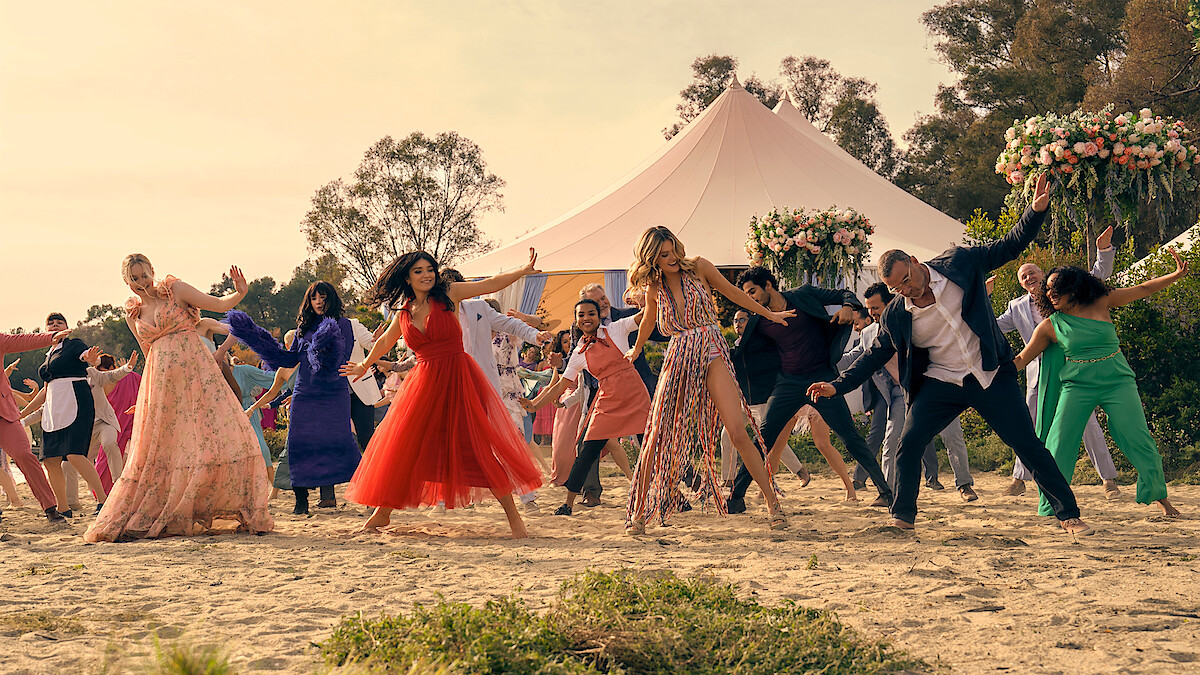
(902, 524)
(1168, 510)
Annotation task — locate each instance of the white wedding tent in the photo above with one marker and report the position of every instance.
(736, 160)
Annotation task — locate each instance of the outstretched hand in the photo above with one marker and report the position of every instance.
(1104, 241)
(133, 359)
(531, 267)
(780, 317)
(990, 284)
(1181, 265)
(239, 280)
(8, 370)
(1041, 193)
(844, 315)
(821, 389)
(92, 356)
(60, 336)
(352, 370)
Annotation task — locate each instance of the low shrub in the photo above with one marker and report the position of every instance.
(619, 622)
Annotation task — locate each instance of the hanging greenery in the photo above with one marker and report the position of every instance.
(1100, 165)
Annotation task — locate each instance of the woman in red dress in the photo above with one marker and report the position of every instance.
(447, 438)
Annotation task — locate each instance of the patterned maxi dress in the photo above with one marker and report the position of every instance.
(684, 427)
(192, 456)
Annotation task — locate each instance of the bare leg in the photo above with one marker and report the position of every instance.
(514, 516)
(58, 482)
(820, 434)
(8, 482)
(381, 518)
(1167, 509)
(271, 481)
(728, 399)
(619, 457)
(641, 488)
(781, 444)
(87, 470)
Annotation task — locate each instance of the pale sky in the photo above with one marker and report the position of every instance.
(197, 133)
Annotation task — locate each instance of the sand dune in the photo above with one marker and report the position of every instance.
(982, 587)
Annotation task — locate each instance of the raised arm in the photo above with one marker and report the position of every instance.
(512, 325)
(1120, 297)
(1010, 246)
(10, 344)
(35, 403)
(461, 290)
(644, 330)
(187, 293)
(1043, 335)
(281, 378)
(1007, 320)
(355, 371)
(716, 280)
(1105, 254)
(549, 393)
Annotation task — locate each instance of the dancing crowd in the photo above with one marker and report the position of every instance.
(182, 445)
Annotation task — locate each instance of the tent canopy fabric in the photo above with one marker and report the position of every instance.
(736, 160)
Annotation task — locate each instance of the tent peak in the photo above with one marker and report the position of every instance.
(791, 98)
(734, 84)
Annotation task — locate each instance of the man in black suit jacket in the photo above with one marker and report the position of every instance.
(952, 356)
(809, 347)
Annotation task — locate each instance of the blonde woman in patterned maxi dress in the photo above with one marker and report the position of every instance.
(192, 457)
(696, 389)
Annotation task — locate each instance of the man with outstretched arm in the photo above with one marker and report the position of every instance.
(952, 356)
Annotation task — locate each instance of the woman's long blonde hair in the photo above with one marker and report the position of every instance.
(645, 257)
(135, 259)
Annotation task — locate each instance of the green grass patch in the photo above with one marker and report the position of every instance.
(619, 622)
(179, 658)
(41, 620)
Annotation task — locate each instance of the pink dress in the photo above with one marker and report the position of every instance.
(120, 398)
(192, 457)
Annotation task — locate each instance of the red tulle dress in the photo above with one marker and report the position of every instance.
(447, 437)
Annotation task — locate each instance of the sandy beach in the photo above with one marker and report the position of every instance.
(981, 587)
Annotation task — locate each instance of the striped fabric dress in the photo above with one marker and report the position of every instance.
(684, 427)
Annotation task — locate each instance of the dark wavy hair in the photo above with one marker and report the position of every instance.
(393, 289)
(306, 318)
(881, 289)
(759, 276)
(576, 333)
(1074, 283)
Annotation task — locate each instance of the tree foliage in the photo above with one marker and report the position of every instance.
(420, 192)
(1014, 59)
(842, 107)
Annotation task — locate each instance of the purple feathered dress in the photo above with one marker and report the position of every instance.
(321, 447)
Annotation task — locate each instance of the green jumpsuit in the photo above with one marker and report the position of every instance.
(1083, 370)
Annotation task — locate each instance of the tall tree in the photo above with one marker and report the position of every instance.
(711, 75)
(419, 192)
(1014, 59)
(842, 107)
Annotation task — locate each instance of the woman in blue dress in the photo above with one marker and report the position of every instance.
(322, 451)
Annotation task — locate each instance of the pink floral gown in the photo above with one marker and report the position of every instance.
(193, 456)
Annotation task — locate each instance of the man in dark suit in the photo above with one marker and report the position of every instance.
(952, 356)
(809, 346)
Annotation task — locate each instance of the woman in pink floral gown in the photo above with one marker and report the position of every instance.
(193, 457)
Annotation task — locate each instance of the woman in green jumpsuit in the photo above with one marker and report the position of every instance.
(1083, 367)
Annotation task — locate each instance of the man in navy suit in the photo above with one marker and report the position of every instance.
(952, 356)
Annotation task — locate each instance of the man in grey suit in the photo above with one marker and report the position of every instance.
(1022, 316)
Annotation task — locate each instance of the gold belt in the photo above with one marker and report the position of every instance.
(1102, 358)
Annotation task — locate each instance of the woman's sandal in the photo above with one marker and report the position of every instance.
(634, 527)
(779, 521)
